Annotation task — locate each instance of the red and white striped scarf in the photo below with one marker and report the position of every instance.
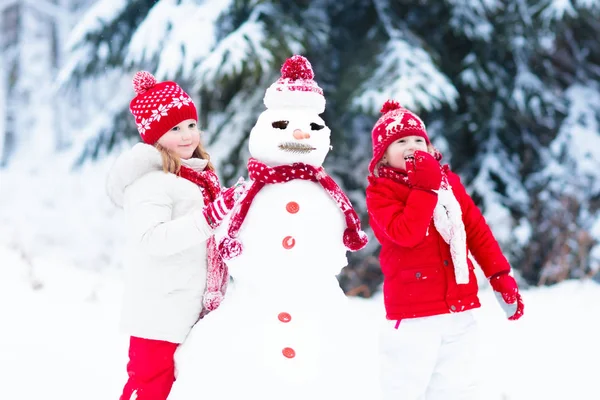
(217, 274)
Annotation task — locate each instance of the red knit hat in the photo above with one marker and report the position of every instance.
(296, 88)
(395, 123)
(159, 106)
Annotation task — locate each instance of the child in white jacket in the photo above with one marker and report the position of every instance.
(172, 201)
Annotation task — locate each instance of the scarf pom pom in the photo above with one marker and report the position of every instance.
(212, 300)
(230, 248)
(355, 240)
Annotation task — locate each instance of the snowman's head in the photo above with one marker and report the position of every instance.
(290, 130)
(289, 135)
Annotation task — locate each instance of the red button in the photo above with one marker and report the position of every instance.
(288, 242)
(292, 207)
(284, 317)
(288, 352)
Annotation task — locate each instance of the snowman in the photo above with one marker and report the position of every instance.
(284, 329)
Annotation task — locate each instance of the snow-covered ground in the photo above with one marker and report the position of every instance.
(61, 341)
(60, 287)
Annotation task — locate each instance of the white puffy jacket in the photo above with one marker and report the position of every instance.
(165, 265)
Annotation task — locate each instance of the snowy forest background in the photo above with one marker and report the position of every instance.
(509, 90)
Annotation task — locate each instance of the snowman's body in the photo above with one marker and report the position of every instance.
(284, 329)
(296, 229)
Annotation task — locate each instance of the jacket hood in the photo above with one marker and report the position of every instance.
(135, 163)
(129, 167)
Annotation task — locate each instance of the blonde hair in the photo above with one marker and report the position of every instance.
(171, 162)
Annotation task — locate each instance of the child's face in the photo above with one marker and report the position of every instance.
(182, 139)
(402, 149)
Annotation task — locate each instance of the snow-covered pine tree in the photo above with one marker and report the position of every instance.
(92, 75)
(374, 53)
(32, 93)
(502, 112)
(519, 89)
(31, 38)
(494, 81)
(223, 52)
(437, 58)
(3, 94)
(8, 57)
(253, 40)
(502, 59)
(566, 187)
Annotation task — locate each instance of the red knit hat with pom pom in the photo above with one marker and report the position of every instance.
(159, 106)
(296, 88)
(395, 123)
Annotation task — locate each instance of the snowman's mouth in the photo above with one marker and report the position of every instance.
(294, 147)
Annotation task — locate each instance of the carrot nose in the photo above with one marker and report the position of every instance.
(299, 134)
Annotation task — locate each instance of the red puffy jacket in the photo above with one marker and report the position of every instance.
(415, 260)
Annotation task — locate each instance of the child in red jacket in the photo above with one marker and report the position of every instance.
(427, 223)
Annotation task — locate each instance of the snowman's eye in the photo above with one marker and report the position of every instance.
(280, 124)
(316, 127)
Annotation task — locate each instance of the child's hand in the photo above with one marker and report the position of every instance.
(507, 293)
(217, 210)
(424, 171)
(239, 188)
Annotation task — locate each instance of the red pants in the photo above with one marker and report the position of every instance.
(151, 369)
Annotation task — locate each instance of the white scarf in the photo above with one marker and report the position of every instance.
(447, 218)
(197, 164)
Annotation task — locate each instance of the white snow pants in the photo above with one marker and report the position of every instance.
(430, 358)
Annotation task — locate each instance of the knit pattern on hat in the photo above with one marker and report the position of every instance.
(158, 107)
(296, 88)
(395, 123)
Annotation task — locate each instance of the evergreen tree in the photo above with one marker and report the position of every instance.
(565, 186)
(508, 90)
(31, 116)
(93, 74)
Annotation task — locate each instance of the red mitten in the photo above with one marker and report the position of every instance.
(424, 171)
(507, 293)
(217, 210)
